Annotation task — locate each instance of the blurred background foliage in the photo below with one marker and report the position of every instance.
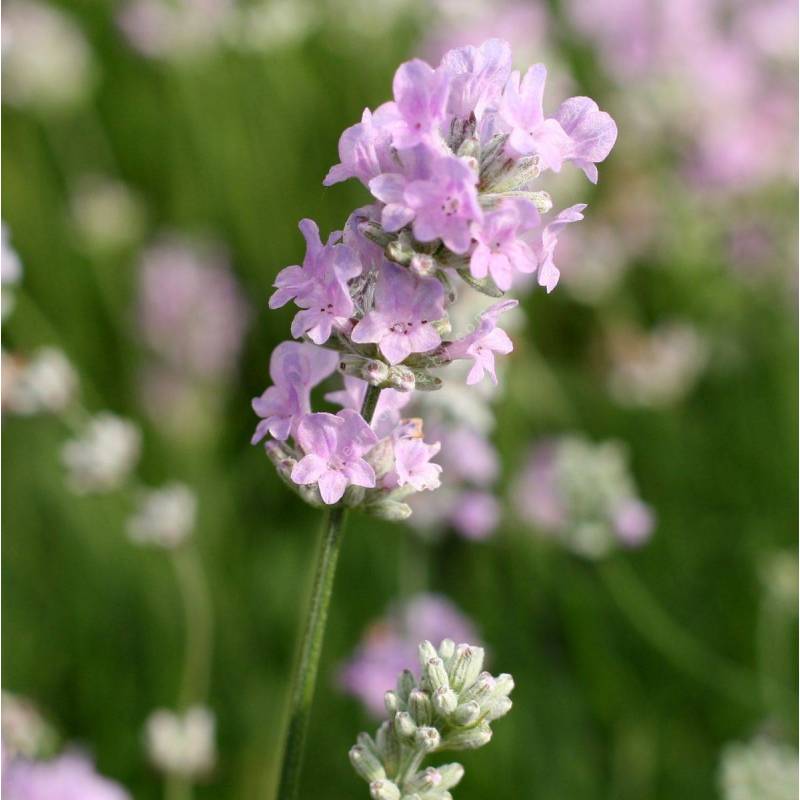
(632, 673)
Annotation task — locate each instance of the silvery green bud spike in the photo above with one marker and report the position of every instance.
(424, 781)
(384, 790)
(366, 764)
(419, 706)
(427, 738)
(466, 714)
(436, 674)
(392, 703)
(469, 739)
(445, 701)
(465, 666)
(405, 684)
(451, 774)
(404, 725)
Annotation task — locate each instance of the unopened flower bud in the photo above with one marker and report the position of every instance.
(445, 700)
(420, 708)
(427, 738)
(405, 684)
(436, 674)
(423, 264)
(450, 775)
(504, 683)
(404, 725)
(465, 666)
(482, 688)
(400, 252)
(469, 739)
(425, 382)
(499, 708)
(446, 650)
(443, 326)
(483, 285)
(401, 378)
(470, 148)
(387, 508)
(366, 764)
(375, 233)
(388, 747)
(384, 790)
(426, 652)
(392, 703)
(424, 781)
(466, 713)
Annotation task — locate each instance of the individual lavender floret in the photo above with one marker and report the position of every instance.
(583, 495)
(451, 707)
(45, 383)
(182, 743)
(402, 319)
(761, 769)
(389, 645)
(165, 517)
(66, 777)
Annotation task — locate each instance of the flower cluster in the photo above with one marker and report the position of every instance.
(583, 495)
(389, 645)
(451, 163)
(451, 707)
(165, 516)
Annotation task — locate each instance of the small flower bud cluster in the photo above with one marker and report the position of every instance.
(45, 383)
(451, 164)
(451, 707)
(583, 495)
(25, 732)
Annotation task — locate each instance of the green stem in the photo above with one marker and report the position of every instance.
(307, 665)
(197, 610)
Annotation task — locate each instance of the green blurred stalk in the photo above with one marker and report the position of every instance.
(305, 675)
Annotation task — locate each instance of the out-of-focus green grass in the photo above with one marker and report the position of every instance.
(237, 146)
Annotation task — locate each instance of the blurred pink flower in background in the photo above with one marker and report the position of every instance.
(389, 645)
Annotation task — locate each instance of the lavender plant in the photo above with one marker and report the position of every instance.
(451, 164)
(451, 708)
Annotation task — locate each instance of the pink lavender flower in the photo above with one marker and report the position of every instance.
(531, 132)
(420, 102)
(364, 152)
(413, 464)
(191, 310)
(334, 446)
(475, 514)
(446, 204)
(295, 369)
(481, 345)
(499, 250)
(67, 777)
(592, 133)
(390, 645)
(545, 248)
(319, 286)
(401, 322)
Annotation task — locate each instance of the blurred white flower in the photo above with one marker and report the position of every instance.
(45, 383)
(181, 744)
(778, 573)
(106, 213)
(103, 456)
(24, 731)
(174, 29)
(10, 272)
(165, 517)
(47, 62)
(658, 368)
(761, 769)
(272, 24)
